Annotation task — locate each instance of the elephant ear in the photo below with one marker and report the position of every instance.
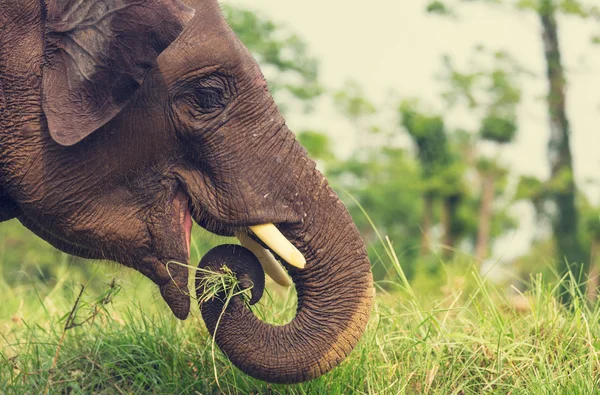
(97, 54)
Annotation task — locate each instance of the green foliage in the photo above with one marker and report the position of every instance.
(486, 165)
(466, 222)
(494, 91)
(351, 101)
(438, 7)
(561, 189)
(429, 134)
(592, 224)
(503, 85)
(572, 7)
(589, 227)
(582, 9)
(461, 85)
(529, 187)
(448, 180)
(532, 189)
(561, 183)
(464, 225)
(527, 4)
(282, 55)
(317, 144)
(24, 257)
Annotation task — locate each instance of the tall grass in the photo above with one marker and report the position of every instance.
(466, 337)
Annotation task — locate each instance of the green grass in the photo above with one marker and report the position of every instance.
(464, 336)
(464, 343)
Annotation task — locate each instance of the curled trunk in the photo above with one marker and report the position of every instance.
(334, 301)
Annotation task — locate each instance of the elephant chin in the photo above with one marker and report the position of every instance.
(335, 293)
(178, 301)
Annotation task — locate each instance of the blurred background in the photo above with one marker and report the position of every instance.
(465, 131)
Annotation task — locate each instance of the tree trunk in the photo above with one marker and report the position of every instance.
(450, 204)
(427, 224)
(485, 217)
(565, 226)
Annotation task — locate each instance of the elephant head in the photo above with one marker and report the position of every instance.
(124, 120)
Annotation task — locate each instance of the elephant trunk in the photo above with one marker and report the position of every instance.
(334, 300)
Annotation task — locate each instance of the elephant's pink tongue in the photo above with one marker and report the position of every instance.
(187, 227)
(185, 219)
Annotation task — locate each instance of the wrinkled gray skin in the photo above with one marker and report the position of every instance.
(120, 119)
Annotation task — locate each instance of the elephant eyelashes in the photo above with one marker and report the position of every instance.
(209, 94)
(209, 99)
(202, 98)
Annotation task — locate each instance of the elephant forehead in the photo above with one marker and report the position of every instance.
(207, 43)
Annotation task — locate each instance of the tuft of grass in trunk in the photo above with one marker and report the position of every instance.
(214, 284)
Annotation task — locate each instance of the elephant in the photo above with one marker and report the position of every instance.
(123, 122)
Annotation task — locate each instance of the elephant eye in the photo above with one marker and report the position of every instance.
(209, 99)
(199, 99)
(210, 94)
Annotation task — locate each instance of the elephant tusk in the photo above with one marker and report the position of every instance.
(276, 241)
(270, 265)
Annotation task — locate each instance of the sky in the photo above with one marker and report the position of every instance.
(394, 46)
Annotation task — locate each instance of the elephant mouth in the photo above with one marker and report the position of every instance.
(265, 241)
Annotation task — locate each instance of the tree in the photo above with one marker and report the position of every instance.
(490, 171)
(381, 180)
(534, 191)
(429, 136)
(493, 93)
(454, 195)
(570, 252)
(317, 144)
(292, 73)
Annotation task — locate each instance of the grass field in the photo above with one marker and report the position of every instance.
(462, 336)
